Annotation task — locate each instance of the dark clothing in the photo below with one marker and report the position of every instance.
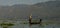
(40, 20)
(29, 20)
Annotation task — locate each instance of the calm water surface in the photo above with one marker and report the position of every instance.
(19, 25)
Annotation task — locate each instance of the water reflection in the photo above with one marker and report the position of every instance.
(35, 26)
(18, 24)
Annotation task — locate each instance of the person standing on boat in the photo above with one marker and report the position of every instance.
(30, 18)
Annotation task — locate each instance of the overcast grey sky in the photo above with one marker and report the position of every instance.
(12, 2)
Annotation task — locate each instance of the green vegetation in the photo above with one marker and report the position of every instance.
(6, 25)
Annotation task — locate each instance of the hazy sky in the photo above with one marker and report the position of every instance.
(12, 2)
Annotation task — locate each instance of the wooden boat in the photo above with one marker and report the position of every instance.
(30, 21)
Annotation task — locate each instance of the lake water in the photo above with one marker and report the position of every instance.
(18, 24)
(35, 26)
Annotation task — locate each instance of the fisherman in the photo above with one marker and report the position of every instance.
(40, 21)
(30, 18)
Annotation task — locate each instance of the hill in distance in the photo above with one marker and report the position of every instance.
(45, 10)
